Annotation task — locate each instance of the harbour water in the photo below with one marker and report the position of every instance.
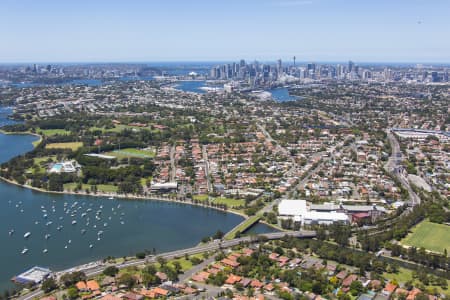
(191, 86)
(282, 95)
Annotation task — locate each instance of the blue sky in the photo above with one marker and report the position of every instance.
(218, 30)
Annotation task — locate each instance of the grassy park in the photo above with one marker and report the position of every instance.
(102, 188)
(51, 132)
(230, 202)
(431, 236)
(71, 145)
(131, 152)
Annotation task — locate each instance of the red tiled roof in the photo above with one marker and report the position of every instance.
(81, 285)
(92, 285)
(390, 287)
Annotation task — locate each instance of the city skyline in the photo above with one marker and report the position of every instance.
(316, 30)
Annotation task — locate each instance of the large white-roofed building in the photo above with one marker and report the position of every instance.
(299, 211)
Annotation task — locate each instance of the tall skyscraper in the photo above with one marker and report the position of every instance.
(351, 66)
(279, 67)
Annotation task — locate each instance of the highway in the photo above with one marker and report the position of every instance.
(213, 246)
(394, 166)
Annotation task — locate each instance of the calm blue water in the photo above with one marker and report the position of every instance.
(191, 86)
(87, 82)
(282, 95)
(260, 228)
(131, 225)
(4, 112)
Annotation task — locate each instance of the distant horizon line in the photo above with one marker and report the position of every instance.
(287, 62)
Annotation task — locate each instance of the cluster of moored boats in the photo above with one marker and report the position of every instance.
(80, 213)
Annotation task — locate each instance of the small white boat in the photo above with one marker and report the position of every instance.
(122, 222)
(45, 251)
(47, 236)
(111, 198)
(74, 222)
(25, 250)
(11, 232)
(65, 247)
(26, 235)
(45, 216)
(90, 246)
(105, 224)
(83, 231)
(70, 241)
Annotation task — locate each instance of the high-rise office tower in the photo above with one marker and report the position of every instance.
(351, 65)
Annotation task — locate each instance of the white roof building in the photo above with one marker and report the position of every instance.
(291, 208)
(299, 211)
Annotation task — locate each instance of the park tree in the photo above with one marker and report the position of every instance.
(127, 279)
(49, 285)
(72, 293)
(111, 271)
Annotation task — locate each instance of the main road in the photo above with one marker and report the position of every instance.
(213, 246)
(394, 167)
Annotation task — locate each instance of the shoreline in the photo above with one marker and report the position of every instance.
(120, 196)
(35, 143)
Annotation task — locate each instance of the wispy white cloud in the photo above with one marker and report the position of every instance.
(291, 3)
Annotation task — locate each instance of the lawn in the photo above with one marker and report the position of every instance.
(230, 202)
(131, 152)
(185, 264)
(200, 197)
(431, 236)
(40, 162)
(72, 145)
(51, 132)
(116, 128)
(105, 188)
